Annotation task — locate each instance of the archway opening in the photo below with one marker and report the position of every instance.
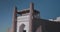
(21, 28)
(24, 30)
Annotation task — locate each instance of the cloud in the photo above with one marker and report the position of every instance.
(57, 19)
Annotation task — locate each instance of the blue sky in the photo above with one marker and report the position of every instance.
(48, 9)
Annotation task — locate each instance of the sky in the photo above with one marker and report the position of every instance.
(49, 9)
(57, 19)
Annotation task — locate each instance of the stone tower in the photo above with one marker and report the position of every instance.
(23, 19)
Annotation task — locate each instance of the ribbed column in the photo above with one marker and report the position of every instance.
(14, 20)
(31, 15)
(39, 29)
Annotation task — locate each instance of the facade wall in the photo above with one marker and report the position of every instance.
(41, 25)
(51, 26)
(36, 25)
(23, 20)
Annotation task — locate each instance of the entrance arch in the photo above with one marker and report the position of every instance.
(21, 28)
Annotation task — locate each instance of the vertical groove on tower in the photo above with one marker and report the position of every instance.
(31, 15)
(14, 20)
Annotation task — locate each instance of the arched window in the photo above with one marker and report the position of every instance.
(21, 28)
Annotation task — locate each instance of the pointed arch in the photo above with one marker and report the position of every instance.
(21, 28)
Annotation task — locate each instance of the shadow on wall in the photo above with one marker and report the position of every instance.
(47, 26)
(21, 28)
(51, 26)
